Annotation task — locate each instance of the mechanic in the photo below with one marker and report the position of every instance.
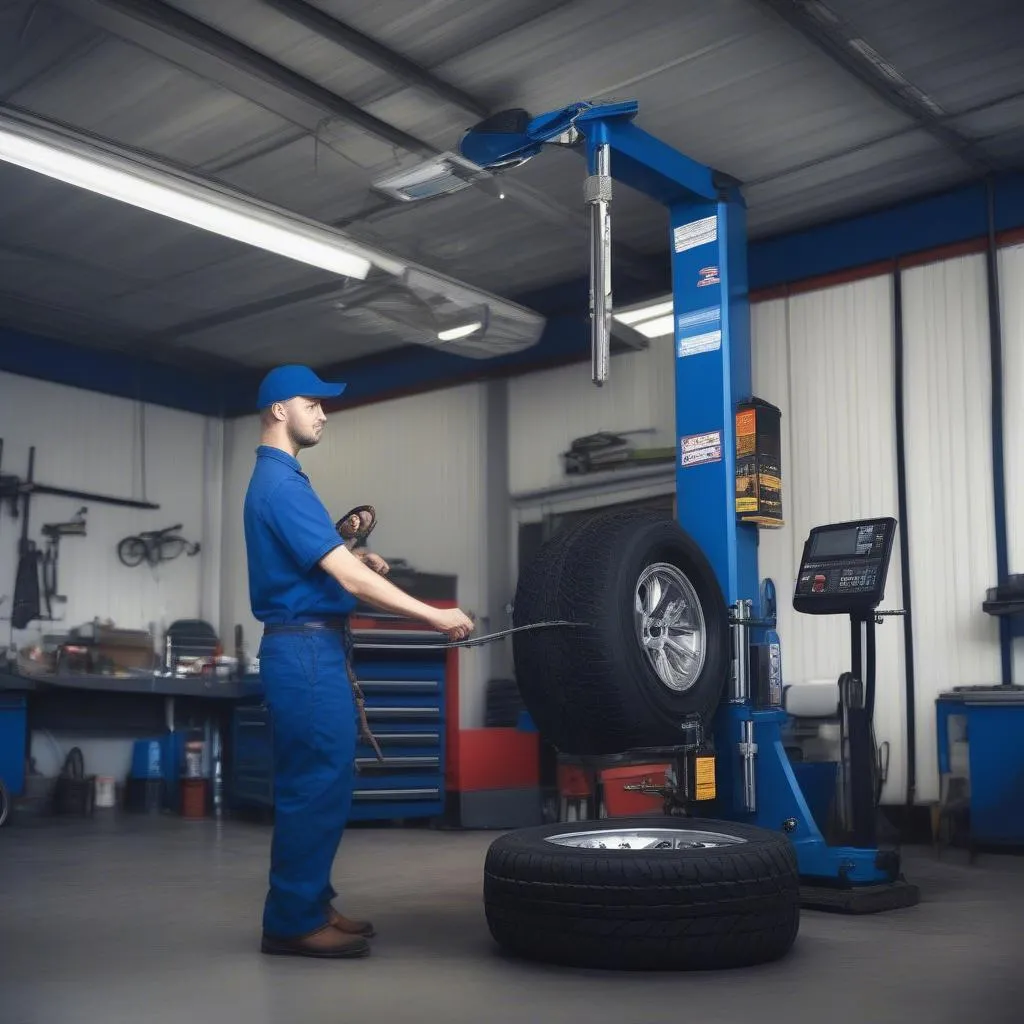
(303, 584)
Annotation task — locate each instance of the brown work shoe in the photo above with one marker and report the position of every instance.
(326, 943)
(348, 926)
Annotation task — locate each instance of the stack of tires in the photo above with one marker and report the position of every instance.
(652, 647)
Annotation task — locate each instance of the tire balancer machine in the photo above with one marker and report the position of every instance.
(707, 232)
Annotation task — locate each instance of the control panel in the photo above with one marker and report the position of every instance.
(844, 567)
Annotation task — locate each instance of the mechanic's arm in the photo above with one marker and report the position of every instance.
(299, 519)
(366, 585)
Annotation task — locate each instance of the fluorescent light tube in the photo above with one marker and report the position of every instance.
(454, 333)
(659, 327)
(191, 203)
(632, 317)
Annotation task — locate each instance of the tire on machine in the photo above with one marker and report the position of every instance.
(680, 893)
(593, 690)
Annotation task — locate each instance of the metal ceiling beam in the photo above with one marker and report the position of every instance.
(153, 25)
(377, 54)
(205, 51)
(822, 27)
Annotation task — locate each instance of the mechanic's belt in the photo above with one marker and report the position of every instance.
(342, 627)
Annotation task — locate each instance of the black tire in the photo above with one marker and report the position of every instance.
(5, 804)
(591, 690)
(686, 909)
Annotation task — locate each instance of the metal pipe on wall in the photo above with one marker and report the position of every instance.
(910, 683)
(995, 331)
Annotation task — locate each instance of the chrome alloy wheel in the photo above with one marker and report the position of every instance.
(645, 839)
(670, 625)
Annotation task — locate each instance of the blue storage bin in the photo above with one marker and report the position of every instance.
(148, 759)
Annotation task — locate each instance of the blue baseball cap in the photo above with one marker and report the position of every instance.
(284, 382)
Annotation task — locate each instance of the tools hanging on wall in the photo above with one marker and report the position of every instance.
(53, 533)
(37, 567)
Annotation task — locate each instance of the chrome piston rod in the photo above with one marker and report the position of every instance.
(597, 191)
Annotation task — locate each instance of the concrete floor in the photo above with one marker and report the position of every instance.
(157, 920)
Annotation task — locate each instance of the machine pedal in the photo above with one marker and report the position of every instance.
(860, 899)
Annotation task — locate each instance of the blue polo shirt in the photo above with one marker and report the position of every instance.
(287, 532)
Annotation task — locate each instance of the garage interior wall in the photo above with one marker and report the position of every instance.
(949, 487)
(111, 446)
(1011, 274)
(826, 358)
(421, 462)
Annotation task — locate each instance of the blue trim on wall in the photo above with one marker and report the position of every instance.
(927, 223)
(930, 222)
(109, 373)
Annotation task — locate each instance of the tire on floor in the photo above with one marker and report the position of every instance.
(594, 690)
(684, 906)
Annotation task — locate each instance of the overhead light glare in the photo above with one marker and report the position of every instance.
(659, 327)
(634, 317)
(652, 320)
(190, 203)
(455, 333)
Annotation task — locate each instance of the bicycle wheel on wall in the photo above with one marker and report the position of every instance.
(132, 551)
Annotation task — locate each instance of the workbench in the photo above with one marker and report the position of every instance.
(136, 705)
(411, 704)
(991, 719)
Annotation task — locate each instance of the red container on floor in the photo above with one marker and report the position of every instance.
(620, 803)
(193, 798)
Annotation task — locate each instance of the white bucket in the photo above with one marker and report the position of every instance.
(105, 793)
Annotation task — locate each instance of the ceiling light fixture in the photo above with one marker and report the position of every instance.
(652, 320)
(455, 333)
(182, 199)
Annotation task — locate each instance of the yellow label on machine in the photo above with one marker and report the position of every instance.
(706, 778)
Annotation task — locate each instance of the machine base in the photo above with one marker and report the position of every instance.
(860, 899)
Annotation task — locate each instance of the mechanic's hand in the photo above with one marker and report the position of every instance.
(454, 622)
(374, 562)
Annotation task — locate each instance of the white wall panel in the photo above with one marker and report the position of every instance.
(949, 487)
(95, 443)
(825, 358)
(548, 409)
(420, 462)
(1011, 286)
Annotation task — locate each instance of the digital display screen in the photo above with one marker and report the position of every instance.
(836, 543)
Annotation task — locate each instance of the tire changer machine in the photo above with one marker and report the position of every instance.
(844, 566)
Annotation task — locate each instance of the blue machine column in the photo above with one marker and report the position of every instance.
(712, 373)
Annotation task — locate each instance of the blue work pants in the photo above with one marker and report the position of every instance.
(314, 718)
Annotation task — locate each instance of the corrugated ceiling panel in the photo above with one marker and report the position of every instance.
(839, 463)
(1011, 289)
(949, 488)
(420, 462)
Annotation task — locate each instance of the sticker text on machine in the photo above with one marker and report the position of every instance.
(697, 232)
(700, 448)
(699, 331)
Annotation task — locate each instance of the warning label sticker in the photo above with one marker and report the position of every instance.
(699, 331)
(697, 232)
(710, 342)
(700, 448)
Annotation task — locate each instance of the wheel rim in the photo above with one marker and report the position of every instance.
(645, 839)
(670, 626)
